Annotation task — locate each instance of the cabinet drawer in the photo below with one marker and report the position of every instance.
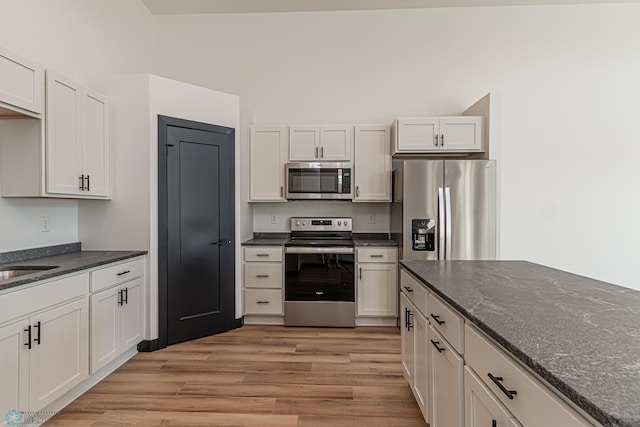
(377, 255)
(263, 301)
(262, 275)
(446, 321)
(414, 290)
(263, 254)
(116, 273)
(534, 404)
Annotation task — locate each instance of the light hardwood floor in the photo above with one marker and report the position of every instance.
(258, 376)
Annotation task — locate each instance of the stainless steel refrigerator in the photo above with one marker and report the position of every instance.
(445, 209)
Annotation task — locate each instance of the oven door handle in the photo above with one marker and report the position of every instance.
(318, 250)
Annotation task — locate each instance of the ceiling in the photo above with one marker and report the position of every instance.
(171, 7)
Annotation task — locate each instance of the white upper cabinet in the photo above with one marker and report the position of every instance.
(77, 135)
(372, 165)
(267, 160)
(327, 143)
(21, 85)
(459, 134)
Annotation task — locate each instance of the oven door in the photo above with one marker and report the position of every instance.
(319, 274)
(318, 181)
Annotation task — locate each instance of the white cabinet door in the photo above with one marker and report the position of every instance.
(482, 408)
(95, 143)
(372, 166)
(446, 383)
(416, 134)
(377, 289)
(267, 160)
(421, 360)
(59, 357)
(105, 327)
(21, 84)
(462, 133)
(131, 315)
(406, 337)
(63, 134)
(14, 369)
(304, 143)
(335, 143)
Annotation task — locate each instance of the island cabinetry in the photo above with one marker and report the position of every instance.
(267, 160)
(44, 335)
(326, 143)
(414, 335)
(116, 310)
(522, 395)
(262, 278)
(377, 285)
(439, 135)
(21, 85)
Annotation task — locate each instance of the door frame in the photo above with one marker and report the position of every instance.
(164, 122)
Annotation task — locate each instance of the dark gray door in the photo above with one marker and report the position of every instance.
(199, 231)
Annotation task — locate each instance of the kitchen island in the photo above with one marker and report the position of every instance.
(580, 335)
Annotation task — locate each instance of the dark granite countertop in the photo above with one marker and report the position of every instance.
(264, 242)
(579, 334)
(374, 242)
(65, 263)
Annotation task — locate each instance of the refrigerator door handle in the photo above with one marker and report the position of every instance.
(447, 203)
(441, 224)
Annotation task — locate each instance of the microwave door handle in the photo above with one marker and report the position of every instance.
(339, 180)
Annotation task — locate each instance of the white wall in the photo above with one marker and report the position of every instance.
(80, 39)
(567, 76)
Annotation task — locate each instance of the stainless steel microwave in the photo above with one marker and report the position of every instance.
(320, 180)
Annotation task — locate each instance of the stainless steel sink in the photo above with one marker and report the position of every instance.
(7, 273)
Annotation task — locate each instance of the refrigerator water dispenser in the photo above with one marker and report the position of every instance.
(423, 234)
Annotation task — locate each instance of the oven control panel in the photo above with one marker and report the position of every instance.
(321, 224)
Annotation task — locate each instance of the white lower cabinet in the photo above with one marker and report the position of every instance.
(377, 284)
(482, 408)
(116, 310)
(263, 283)
(415, 354)
(46, 353)
(446, 378)
(116, 322)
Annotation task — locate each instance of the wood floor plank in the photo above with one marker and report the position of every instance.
(257, 376)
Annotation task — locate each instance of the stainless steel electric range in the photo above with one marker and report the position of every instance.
(319, 284)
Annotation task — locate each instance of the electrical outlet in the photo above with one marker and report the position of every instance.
(372, 218)
(45, 224)
(274, 219)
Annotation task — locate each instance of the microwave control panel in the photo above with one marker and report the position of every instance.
(423, 234)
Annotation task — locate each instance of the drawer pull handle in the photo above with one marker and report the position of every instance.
(375, 256)
(37, 338)
(28, 331)
(122, 273)
(437, 319)
(262, 254)
(262, 276)
(263, 302)
(498, 381)
(494, 423)
(409, 324)
(435, 344)
(410, 290)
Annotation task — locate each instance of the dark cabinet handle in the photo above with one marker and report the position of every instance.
(494, 423)
(120, 297)
(360, 277)
(435, 344)
(437, 319)
(126, 296)
(81, 186)
(409, 289)
(498, 381)
(262, 254)
(37, 338)
(409, 324)
(262, 276)
(28, 331)
(122, 273)
(88, 184)
(263, 302)
(376, 256)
